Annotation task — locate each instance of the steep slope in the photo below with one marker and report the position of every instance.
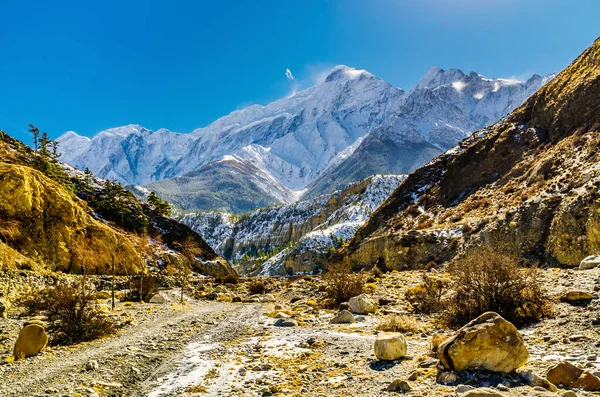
(442, 109)
(319, 137)
(44, 225)
(529, 185)
(288, 235)
(231, 184)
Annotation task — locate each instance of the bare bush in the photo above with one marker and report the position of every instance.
(487, 280)
(228, 279)
(341, 283)
(72, 316)
(426, 297)
(257, 287)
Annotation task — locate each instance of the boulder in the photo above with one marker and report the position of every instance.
(488, 342)
(158, 299)
(563, 373)
(32, 340)
(390, 346)
(343, 317)
(223, 297)
(590, 262)
(361, 304)
(575, 296)
(587, 381)
(567, 374)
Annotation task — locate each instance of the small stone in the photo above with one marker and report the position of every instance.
(483, 392)
(285, 322)
(361, 304)
(576, 296)
(399, 385)
(447, 377)
(413, 376)
(343, 317)
(92, 365)
(158, 299)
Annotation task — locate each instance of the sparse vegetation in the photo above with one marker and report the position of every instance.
(398, 323)
(487, 280)
(426, 297)
(341, 283)
(72, 317)
(257, 287)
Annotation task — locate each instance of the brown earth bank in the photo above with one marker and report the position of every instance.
(281, 342)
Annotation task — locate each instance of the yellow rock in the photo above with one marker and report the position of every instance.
(488, 342)
(32, 340)
(390, 346)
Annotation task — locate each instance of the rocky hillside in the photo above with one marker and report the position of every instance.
(350, 126)
(52, 222)
(529, 184)
(294, 237)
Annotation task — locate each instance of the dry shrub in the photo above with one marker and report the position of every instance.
(398, 323)
(142, 288)
(72, 316)
(228, 279)
(257, 287)
(341, 283)
(426, 297)
(487, 280)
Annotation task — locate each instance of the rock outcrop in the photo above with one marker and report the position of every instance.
(488, 343)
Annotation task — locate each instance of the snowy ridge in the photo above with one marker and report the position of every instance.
(314, 225)
(300, 140)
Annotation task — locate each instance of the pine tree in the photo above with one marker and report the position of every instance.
(55, 154)
(36, 133)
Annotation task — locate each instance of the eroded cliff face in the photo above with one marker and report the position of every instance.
(54, 229)
(529, 184)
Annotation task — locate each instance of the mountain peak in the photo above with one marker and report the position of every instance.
(345, 72)
(436, 77)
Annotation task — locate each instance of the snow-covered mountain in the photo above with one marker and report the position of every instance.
(293, 237)
(320, 138)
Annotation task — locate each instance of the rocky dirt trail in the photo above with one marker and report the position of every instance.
(281, 343)
(115, 366)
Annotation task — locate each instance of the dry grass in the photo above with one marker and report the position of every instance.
(398, 323)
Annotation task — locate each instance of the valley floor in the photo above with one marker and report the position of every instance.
(233, 349)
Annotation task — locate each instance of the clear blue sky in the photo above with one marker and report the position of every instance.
(87, 66)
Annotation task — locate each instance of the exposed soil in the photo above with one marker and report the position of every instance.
(207, 348)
